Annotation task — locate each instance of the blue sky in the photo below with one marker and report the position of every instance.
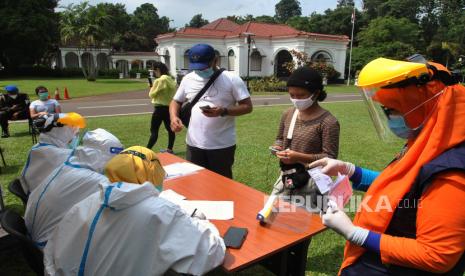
(181, 11)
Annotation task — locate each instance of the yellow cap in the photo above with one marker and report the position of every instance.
(72, 119)
(382, 71)
(136, 165)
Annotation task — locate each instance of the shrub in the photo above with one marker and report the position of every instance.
(108, 74)
(267, 84)
(144, 73)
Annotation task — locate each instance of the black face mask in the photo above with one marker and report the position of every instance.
(294, 176)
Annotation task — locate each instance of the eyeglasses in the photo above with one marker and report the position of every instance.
(136, 153)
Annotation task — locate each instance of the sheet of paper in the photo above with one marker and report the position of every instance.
(322, 181)
(180, 169)
(219, 210)
(342, 191)
(172, 196)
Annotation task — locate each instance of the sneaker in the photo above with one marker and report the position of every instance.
(167, 150)
(5, 135)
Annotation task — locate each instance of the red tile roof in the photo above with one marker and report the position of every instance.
(221, 24)
(224, 28)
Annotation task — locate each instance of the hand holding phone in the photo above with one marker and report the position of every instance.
(273, 150)
(205, 107)
(235, 236)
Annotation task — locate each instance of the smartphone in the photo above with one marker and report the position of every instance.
(150, 81)
(205, 107)
(273, 150)
(235, 236)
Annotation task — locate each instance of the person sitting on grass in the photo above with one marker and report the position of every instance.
(127, 229)
(44, 105)
(13, 106)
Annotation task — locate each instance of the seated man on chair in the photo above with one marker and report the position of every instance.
(13, 106)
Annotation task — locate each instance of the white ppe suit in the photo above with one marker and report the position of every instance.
(73, 181)
(126, 229)
(47, 155)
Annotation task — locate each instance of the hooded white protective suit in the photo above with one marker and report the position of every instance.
(68, 184)
(47, 155)
(126, 229)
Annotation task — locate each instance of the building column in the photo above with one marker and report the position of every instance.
(177, 60)
(129, 65)
(94, 57)
(79, 60)
(63, 60)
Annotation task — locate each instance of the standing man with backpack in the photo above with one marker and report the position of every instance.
(215, 98)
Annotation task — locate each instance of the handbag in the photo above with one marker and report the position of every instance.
(186, 108)
(294, 176)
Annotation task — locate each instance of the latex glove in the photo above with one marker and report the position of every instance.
(338, 221)
(332, 167)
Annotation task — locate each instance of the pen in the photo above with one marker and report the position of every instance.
(193, 213)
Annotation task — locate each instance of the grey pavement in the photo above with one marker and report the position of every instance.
(137, 102)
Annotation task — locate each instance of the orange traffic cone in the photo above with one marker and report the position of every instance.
(66, 95)
(57, 94)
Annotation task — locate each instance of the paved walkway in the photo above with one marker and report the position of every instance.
(137, 102)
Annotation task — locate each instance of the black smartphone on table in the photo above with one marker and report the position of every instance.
(235, 237)
(150, 81)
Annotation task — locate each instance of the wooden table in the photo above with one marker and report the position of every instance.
(280, 249)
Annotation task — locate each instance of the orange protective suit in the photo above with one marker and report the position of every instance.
(440, 239)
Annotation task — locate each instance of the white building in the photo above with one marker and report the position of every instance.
(269, 47)
(104, 58)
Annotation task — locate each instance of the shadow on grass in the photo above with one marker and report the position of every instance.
(325, 263)
(9, 169)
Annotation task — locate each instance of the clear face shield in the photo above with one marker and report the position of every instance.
(394, 123)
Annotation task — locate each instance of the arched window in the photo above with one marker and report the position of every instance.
(167, 59)
(71, 60)
(102, 61)
(322, 56)
(231, 60)
(255, 61)
(186, 59)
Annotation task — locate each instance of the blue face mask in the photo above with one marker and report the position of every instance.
(398, 126)
(204, 74)
(43, 96)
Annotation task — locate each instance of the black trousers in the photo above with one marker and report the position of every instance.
(161, 114)
(9, 115)
(217, 160)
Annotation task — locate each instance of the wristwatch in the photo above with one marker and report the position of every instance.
(224, 112)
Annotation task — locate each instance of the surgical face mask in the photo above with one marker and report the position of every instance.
(302, 104)
(398, 126)
(13, 96)
(204, 74)
(43, 96)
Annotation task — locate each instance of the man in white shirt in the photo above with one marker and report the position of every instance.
(211, 136)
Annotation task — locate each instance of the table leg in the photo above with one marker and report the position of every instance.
(291, 261)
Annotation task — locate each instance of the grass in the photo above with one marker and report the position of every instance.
(330, 89)
(254, 165)
(76, 87)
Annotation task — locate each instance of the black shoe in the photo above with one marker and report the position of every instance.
(5, 135)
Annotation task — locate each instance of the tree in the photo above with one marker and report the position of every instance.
(337, 21)
(300, 23)
(241, 19)
(145, 22)
(345, 3)
(389, 29)
(197, 21)
(394, 8)
(83, 25)
(28, 31)
(303, 59)
(286, 9)
(265, 19)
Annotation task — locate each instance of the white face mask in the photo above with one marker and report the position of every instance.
(302, 104)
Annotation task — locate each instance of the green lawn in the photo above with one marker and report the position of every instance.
(254, 165)
(331, 89)
(76, 87)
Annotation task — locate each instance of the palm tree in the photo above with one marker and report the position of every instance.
(84, 25)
